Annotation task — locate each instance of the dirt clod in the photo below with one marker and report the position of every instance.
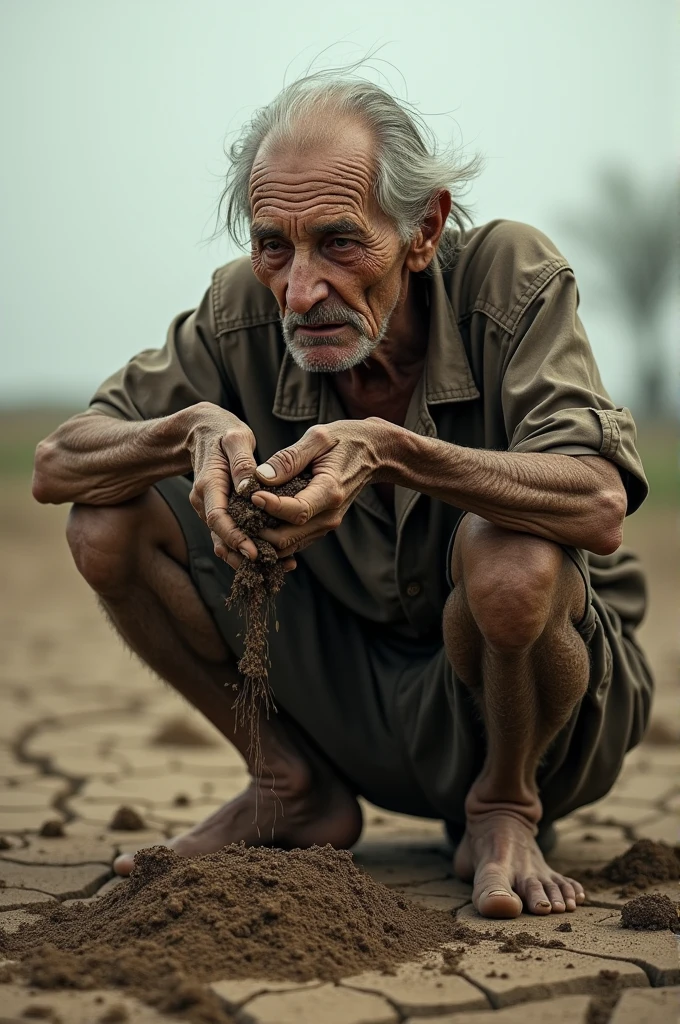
(52, 829)
(564, 927)
(115, 1014)
(178, 923)
(178, 732)
(645, 863)
(652, 912)
(126, 819)
(5, 843)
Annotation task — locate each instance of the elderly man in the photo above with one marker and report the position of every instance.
(457, 629)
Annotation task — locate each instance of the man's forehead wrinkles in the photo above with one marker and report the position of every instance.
(326, 207)
(308, 188)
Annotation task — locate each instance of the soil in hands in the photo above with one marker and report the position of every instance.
(239, 913)
(255, 586)
(645, 863)
(652, 912)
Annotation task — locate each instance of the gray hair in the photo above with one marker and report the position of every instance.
(411, 167)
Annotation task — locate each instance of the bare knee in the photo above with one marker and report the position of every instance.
(102, 540)
(509, 581)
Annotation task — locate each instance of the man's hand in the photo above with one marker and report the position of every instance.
(221, 448)
(342, 457)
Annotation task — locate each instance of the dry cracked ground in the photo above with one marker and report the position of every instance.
(79, 720)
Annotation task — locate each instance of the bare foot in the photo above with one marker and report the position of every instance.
(499, 854)
(297, 816)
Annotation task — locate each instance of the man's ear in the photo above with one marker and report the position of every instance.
(426, 239)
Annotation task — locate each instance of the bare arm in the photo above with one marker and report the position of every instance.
(576, 501)
(96, 460)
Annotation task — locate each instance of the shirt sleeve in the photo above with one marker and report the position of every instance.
(552, 394)
(161, 381)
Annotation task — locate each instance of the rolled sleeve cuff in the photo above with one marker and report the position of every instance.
(609, 433)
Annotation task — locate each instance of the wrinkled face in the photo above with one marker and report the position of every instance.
(321, 244)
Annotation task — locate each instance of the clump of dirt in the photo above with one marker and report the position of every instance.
(645, 863)
(41, 1012)
(52, 829)
(178, 732)
(239, 913)
(116, 1014)
(650, 913)
(253, 590)
(564, 927)
(5, 843)
(126, 819)
(660, 734)
(181, 800)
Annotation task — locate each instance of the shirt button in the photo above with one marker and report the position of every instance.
(413, 589)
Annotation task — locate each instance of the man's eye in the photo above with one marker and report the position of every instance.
(272, 246)
(342, 243)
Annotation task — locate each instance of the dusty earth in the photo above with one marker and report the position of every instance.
(84, 730)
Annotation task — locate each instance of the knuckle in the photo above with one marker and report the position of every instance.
(287, 460)
(319, 432)
(334, 496)
(212, 517)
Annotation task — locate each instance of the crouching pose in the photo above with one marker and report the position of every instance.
(457, 628)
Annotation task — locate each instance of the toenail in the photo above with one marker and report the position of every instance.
(500, 892)
(542, 903)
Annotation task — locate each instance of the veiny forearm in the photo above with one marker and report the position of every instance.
(98, 460)
(576, 501)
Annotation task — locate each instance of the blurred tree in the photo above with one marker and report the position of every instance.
(632, 233)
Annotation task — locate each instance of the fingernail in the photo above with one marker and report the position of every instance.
(244, 551)
(241, 487)
(257, 500)
(267, 471)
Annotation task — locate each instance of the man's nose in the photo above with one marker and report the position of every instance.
(306, 287)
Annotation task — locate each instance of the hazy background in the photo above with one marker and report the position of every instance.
(114, 117)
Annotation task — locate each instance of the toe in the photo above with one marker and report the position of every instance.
(568, 894)
(535, 897)
(493, 896)
(498, 902)
(579, 895)
(556, 897)
(123, 864)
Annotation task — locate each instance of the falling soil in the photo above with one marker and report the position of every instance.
(126, 819)
(653, 913)
(178, 732)
(645, 863)
(255, 586)
(239, 913)
(52, 829)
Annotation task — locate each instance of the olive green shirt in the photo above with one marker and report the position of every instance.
(508, 367)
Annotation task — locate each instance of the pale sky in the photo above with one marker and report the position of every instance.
(113, 116)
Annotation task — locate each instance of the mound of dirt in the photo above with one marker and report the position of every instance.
(238, 913)
(645, 863)
(650, 913)
(52, 829)
(179, 732)
(126, 819)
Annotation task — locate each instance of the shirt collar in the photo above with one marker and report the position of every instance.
(448, 378)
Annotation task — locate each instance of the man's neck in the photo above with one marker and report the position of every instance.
(382, 385)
